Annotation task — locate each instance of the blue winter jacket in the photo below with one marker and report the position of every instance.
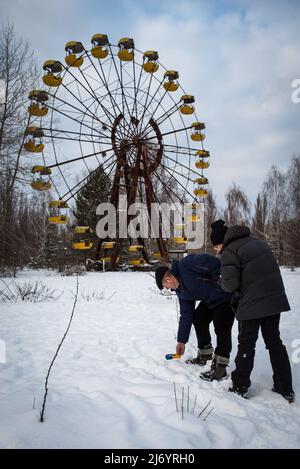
(199, 278)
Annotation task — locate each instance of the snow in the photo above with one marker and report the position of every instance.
(111, 386)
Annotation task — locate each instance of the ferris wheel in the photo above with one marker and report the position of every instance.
(119, 109)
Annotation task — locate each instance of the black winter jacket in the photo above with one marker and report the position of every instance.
(249, 268)
(199, 278)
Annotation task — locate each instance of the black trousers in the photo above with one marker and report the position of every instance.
(248, 334)
(222, 317)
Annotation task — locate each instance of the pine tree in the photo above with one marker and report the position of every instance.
(95, 191)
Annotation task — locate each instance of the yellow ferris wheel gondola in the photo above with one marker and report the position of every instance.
(196, 134)
(150, 61)
(137, 262)
(52, 68)
(56, 216)
(33, 140)
(135, 248)
(73, 49)
(180, 240)
(42, 183)
(187, 107)
(171, 83)
(99, 49)
(108, 244)
(82, 245)
(38, 100)
(201, 187)
(202, 161)
(126, 49)
(82, 230)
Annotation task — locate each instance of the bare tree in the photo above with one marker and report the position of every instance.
(274, 189)
(259, 220)
(18, 75)
(238, 206)
(210, 215)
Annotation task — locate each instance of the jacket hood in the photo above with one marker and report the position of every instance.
(235, 232)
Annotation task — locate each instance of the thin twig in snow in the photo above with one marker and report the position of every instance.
(175, 397)
(208, 414)
(194, 404)
(58, 348)
(204, 408)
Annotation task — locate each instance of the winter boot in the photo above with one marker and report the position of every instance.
(240, 390)
(217, 371)
(290, 397)
(203, 356)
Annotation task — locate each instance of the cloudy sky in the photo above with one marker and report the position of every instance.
(238, 57)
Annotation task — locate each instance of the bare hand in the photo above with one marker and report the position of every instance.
(180, 348)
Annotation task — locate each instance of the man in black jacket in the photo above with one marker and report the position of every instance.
(197, 277)
(249, 269)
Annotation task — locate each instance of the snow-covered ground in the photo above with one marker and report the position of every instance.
(111, 386)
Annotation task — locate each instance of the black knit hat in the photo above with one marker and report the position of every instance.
(159, 275)
(218, 231)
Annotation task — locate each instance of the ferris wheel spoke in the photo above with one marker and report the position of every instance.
(146, 103)
(168, 189)
(55, 153)
(135, 92)
(122, 70)
(73, 119)
(71, 132)
(81, 149)
(93, 94)
(74, 107)
(104, 82)
(177, 172)
(178, 182)
(167, 114)
(72, 139)
(90, 176)
(85, 108)
(171, 132)
(62, 163)
(177, 152)
(154, 95)
(89, 92)
(182, 147)
(181, 164)
(52, 179)
(120, 80)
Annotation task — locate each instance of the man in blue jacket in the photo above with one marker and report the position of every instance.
(196, 277)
